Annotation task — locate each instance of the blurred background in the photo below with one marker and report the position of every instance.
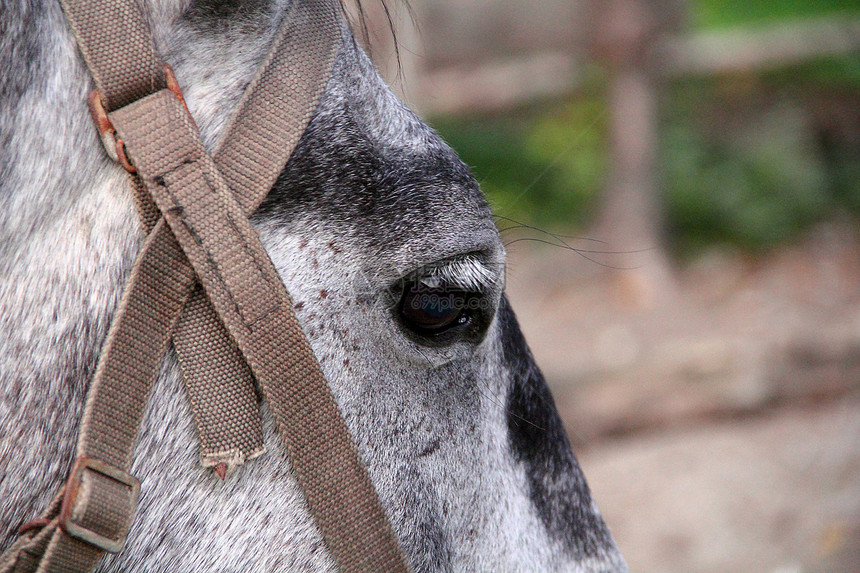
(678, 186)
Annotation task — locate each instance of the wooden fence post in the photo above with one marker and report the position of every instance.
(630, 218)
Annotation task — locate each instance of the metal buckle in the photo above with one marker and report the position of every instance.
(114, 145)
(76, 530)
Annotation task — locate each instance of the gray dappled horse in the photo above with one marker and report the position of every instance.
(372, 217)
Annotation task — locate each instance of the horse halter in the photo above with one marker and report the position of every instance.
(204, 279)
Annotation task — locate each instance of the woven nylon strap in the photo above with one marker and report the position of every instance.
(193, 193)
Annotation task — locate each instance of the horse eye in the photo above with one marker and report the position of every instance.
(431, 311)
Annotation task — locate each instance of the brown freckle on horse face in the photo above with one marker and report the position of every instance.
(333, 248)
(314, 262)
(303, 243)
(298, 305)
(346, 362)
(323, 293)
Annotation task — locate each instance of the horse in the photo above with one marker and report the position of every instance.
(372, 217)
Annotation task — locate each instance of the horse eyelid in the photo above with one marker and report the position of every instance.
(467, 273)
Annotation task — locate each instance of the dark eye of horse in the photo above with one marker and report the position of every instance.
(431, 311)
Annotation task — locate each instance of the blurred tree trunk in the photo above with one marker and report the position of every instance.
(631, 217)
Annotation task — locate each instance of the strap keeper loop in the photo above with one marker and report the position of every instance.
(99, 495)
(114, 145)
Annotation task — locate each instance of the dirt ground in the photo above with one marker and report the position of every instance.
(719, 426)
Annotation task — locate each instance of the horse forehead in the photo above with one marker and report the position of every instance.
(366, 166)
(370, 171)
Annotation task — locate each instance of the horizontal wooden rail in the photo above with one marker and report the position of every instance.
(504, 83)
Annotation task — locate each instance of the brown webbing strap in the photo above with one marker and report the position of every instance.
(118, 49)
(250, 158)
(220, 385)
(345, 507)
(253, 304)
(115, 404)
(24, 555)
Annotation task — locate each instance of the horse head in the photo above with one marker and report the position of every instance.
(396, 270)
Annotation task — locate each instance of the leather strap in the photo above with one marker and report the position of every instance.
(211, 225)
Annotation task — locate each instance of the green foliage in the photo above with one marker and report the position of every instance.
(845, 178)
(709, 14)
(746, 159)
(741, 160)
(543, 165)
(755, 189)
(826, 73)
